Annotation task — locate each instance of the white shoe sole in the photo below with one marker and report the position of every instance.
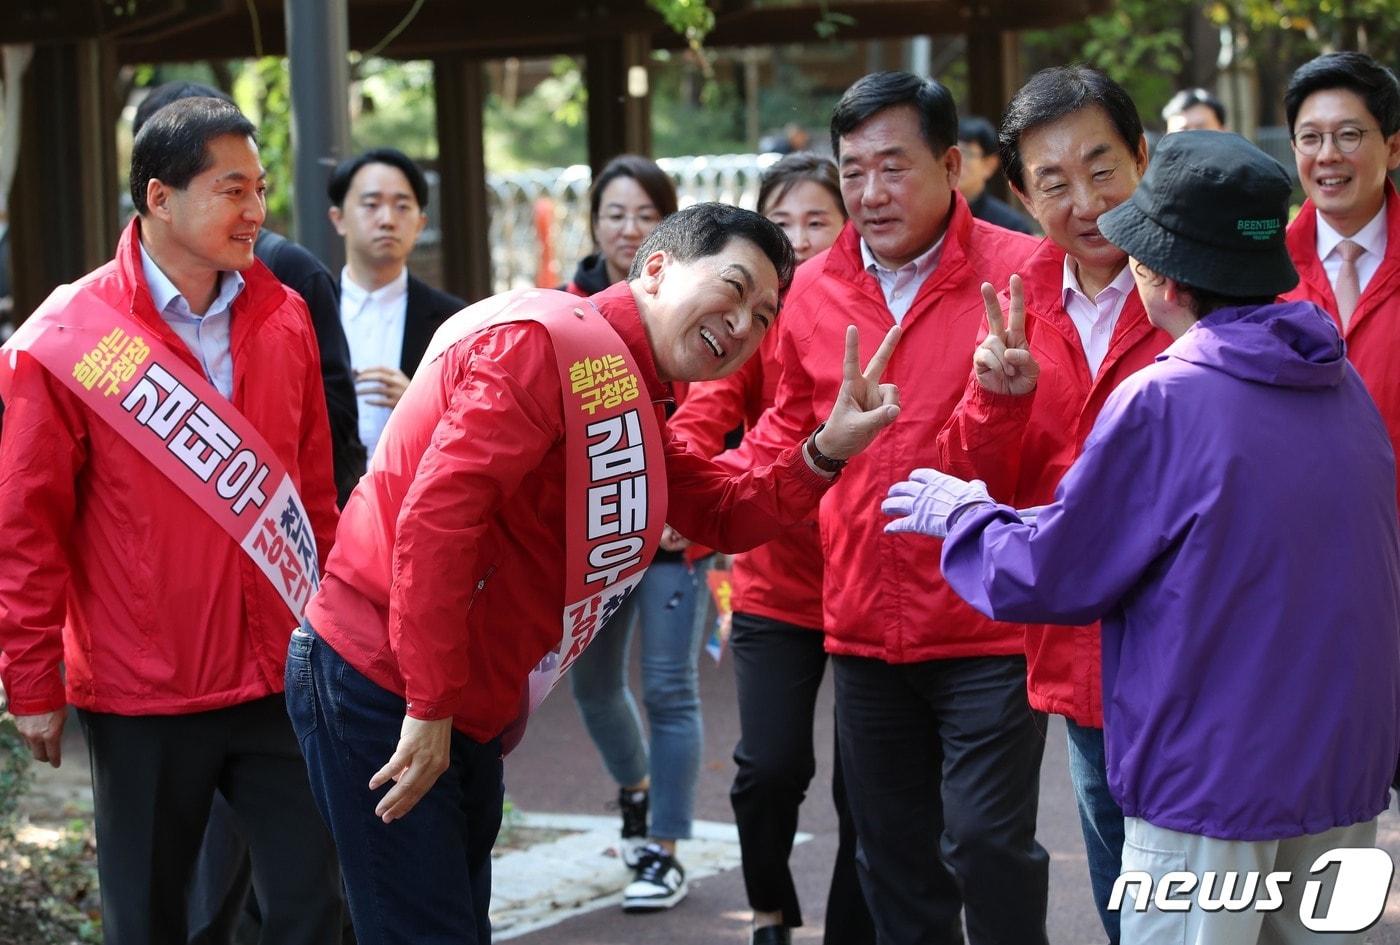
(654, 903)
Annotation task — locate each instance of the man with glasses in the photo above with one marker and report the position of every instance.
(977, 140)
(1344, 117)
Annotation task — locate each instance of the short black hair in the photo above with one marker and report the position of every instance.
(1190, 98)
(1354, 71)
(655, 183)
(173, 146)
(346, 170)
(794, 169)
(872, 94)
(1204, 301)
(974, 129)
(167, 92)
(1053, 93)
(704, 229)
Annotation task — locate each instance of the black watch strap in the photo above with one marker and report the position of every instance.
(820, 459)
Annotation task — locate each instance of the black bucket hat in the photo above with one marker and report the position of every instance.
(1210, 212)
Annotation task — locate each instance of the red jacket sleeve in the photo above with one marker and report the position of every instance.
(713, 408)
(42, 453)
(493, 434)
(790, 420)
(712, 506)
(982, 438)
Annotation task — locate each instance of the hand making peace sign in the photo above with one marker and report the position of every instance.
(863, 405)
(1003, 361)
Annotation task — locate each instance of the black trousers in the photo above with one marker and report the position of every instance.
(778, 668)
(153, 779)
(942, 764)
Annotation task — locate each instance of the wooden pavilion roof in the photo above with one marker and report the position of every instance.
(186, 30)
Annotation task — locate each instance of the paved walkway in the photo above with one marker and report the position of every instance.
(568, 891)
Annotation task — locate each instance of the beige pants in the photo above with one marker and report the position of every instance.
(1157, 851)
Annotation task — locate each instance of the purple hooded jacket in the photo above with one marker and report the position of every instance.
(1232, 521)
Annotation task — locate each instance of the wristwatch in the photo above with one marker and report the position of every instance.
(820, 459)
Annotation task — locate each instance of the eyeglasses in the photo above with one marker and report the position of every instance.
(644, 220)
(1347, 140)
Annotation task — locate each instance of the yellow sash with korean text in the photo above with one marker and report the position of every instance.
(175, 419)
(615, 488)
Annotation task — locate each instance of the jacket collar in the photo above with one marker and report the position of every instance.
(844, 260)
(1302, 247)
(261, 295)
(619, 307)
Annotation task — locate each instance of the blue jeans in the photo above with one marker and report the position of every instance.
(425, 878)
(664, 606)
(1100, 818)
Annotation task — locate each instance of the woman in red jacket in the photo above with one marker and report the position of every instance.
(777, 638)
(631, 196)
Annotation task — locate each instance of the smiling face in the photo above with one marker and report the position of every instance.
(705, 317)
(1347, 189)
(808, 213)
(1077, 168)
(626, 217)
(896, 190)
(213, 222)
(381, 219)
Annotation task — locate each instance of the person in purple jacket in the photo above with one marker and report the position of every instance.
(1232, 522)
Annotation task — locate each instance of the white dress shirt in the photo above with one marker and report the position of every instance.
(1371, 238)
(1095, 318)
(206, 336)
(901, 285)
(373, 323)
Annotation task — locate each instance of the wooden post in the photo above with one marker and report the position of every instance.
(63, 207)
(993, 75)
(466, 251)
(619, 96)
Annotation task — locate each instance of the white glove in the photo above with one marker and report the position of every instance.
(926, 501)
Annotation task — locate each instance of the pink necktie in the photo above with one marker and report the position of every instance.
(1348, 287)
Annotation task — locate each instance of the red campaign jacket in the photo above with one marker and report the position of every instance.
(447, 584)
(111, 570)
(1022, 446)
(781, 580)
(883, 595)
(1373, 337)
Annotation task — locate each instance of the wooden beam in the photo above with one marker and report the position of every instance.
(546, 27)
(63, 211)
(461, 104)
(619, 97)
(993, 76)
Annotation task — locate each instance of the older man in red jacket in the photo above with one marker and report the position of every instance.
(1074, 149)
(939, 748)
(166, 492)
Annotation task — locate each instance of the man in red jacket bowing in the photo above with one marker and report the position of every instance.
(166, 493)
(518, 493)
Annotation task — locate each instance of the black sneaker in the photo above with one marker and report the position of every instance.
(659, 882)
(633, 805)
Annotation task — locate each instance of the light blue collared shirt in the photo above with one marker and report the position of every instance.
(901, 285)
(208, 336)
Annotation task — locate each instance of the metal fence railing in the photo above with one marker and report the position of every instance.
(532, 210)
